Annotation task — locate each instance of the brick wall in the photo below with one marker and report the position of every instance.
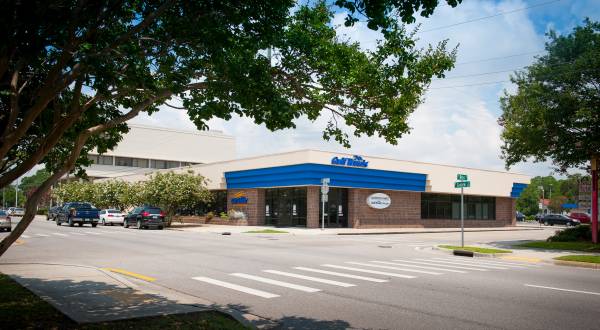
(254, 209)
(506, 211)
(404, 211)
(312, 206)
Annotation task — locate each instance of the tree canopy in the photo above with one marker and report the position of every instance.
(72, 73)
(554, 114)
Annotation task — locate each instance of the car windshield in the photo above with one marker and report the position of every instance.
(2, 213)
(152, 210)
(114, 211)
(81, 205)
(19, 209)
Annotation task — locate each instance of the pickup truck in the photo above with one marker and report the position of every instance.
(78, 213)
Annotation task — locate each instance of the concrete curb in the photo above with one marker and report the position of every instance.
(576, 264)
(440, 231)
(475, 254)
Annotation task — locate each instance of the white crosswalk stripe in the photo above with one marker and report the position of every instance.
(309, 278)
(460, 263)
(236, 287)
(432, 263)
(42, 235)
(356, 277)
(369, 271)
(404, 269)
(421, 267)
(25, 236)
(481, 262)
(59, 234)
(78, 234)
(276, 282)
(92, 233)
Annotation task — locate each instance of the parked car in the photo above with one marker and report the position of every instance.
(5, 223)
(559, 219)
(539, 217)
(53, 212)
(582, 217)
(111, 216)
(16, 211)
(78, 213)
(145, 217)
(520, 216)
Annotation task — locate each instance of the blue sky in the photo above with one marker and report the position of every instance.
(456, 124)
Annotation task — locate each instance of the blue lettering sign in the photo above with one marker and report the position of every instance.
(356, 161)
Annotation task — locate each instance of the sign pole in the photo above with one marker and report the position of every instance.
(595, 200)
(462, 218)
(324, 198)
(323, 214)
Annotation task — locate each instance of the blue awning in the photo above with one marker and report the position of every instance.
(517, 189)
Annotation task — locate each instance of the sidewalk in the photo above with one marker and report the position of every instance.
(210, 228)
(88, 294)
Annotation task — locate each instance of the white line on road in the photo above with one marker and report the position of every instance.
(236, 287)
(369, 271)
(25, 236)
(394, 268)
(42, 235)
(423, 267)
(559, 289)
(466, 263)
(482, 262)
(310, 278)
(275, 282)
(59, 234)
(356, 277)
(432, 263)
(92, 233)
(80, 234)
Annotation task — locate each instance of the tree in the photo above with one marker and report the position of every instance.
(72, 73)
(528, 202)
(554, 113)
(171, 191)
(34, 181)
(106, 194)
(8, 194)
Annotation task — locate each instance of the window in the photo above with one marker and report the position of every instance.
(155, 163)
(101, 160)
(123, 161)
(138, 162)
(440, 206)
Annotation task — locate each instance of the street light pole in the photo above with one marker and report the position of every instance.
(462, 217)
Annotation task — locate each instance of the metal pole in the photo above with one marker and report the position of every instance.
(462, 218)
(17, 194)
(595, 204)
(323, 214)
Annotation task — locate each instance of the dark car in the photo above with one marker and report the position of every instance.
(145, 217)
(582, 217)
(53, 212)
(559, 219)
(5, 223)
(520, 216)
(78, 213)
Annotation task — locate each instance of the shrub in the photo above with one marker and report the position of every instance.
(209, 216)
(224, 215)
(530, 218)
(575, 234)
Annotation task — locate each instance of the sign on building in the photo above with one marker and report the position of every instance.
(379, 201)
(356, 161)
(239, 198)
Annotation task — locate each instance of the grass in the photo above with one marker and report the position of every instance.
(266, 231)
(21, 309)
(570, 246)
(581, 258)
(475, 249)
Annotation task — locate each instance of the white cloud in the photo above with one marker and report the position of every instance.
(453, 126)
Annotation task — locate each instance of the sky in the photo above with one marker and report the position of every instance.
(457, 122)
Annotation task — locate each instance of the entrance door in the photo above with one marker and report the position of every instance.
(336, 208)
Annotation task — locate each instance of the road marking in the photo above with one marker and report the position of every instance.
(461, 263)
(236, 287)
(92, 233)
(433, 264)
(25, 236)
(417, 266)
(275, 282)
(393, 268)
(132, 274)
(42, 235)
(356, 277)
(310, 278)
(559, 289)
(80, 234)
(369, 271)
(483, 263)
(519, 258)
(418, 245)
(59, 234)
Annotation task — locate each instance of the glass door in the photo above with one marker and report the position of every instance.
(336, 208)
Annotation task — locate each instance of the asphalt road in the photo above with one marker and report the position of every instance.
(337, 282)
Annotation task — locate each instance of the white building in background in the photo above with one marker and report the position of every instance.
(146, 148)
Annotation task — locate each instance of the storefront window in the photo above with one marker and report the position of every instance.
(285, 207)
(440, 206)
(217, 206)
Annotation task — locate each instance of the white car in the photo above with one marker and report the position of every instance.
(111, 216)
(16, 211)
(5, 221)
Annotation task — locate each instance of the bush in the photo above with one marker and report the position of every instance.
(224, 215)
(209, 216)
(530, 218)
(575, 234)
(42, 211)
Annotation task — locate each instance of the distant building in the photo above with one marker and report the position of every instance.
(145, 149)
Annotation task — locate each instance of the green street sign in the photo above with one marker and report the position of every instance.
(462, 177)
(462, 184)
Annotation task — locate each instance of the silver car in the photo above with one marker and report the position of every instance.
(5, 223)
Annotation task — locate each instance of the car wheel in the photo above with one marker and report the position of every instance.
(94, 224)
(546, 223)
(568, 224)
(161, 227)
(103, 222)
(125, 224)
(139, 224)
(9, 229)
(71, 224)
(57, 222)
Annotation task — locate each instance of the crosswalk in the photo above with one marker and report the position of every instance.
(75, 233)
(354, 273)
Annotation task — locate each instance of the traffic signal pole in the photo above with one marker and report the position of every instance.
(595, 200)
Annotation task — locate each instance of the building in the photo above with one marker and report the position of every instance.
(145, 149)
(365, 192)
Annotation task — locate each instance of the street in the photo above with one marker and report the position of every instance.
(336, 282)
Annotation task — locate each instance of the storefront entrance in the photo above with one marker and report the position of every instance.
(285, 207)
(336, 208)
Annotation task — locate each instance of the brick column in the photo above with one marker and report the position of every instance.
(353, 219)
(254, 209)
(505, 212)
(312, 207)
